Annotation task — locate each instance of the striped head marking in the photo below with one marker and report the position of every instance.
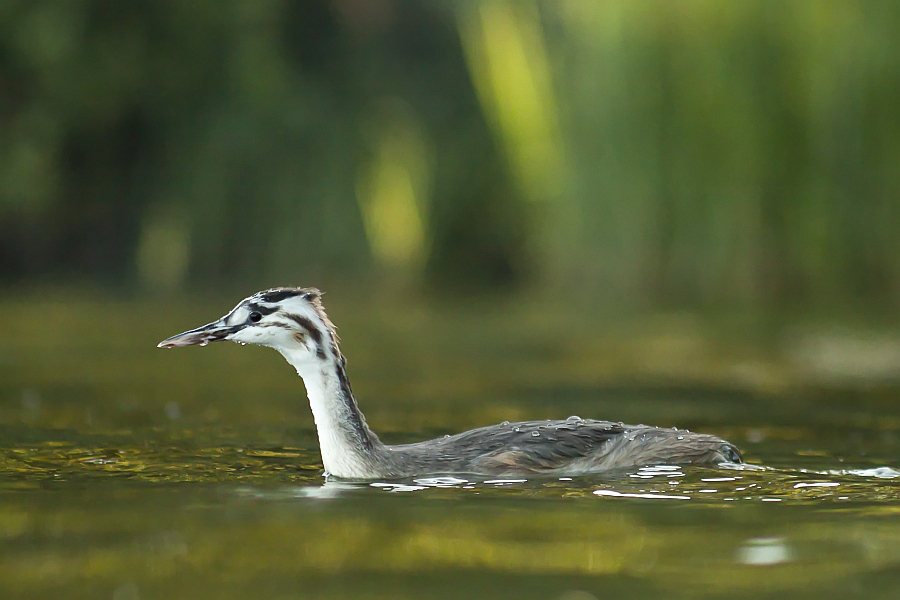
(291, 320)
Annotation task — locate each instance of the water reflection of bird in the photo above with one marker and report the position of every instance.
(293, 321)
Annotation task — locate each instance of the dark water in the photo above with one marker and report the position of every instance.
(128, 472)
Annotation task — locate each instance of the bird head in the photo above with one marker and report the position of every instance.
(291, 320)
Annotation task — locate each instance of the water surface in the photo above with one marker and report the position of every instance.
(129, 472)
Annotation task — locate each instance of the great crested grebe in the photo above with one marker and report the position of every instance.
(293, 321)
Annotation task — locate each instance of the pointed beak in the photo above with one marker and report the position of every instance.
(214, 332)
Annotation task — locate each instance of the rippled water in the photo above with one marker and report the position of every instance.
(127, 472)
(169, 521)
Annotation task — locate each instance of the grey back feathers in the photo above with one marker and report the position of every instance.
(574, 446)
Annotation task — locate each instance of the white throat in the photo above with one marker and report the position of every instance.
(337, 418)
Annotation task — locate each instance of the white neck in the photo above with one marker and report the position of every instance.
(345, 441)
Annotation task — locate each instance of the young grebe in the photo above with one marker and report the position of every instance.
(293, 321)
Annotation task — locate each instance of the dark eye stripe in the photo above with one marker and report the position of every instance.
(261, 309)
(225, 332)
(308, 325)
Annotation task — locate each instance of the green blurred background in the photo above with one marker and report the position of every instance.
(695, 154)
(734, 166)
(678, 212)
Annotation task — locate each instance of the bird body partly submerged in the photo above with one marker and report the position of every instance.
(574, 446)
(292, 321)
